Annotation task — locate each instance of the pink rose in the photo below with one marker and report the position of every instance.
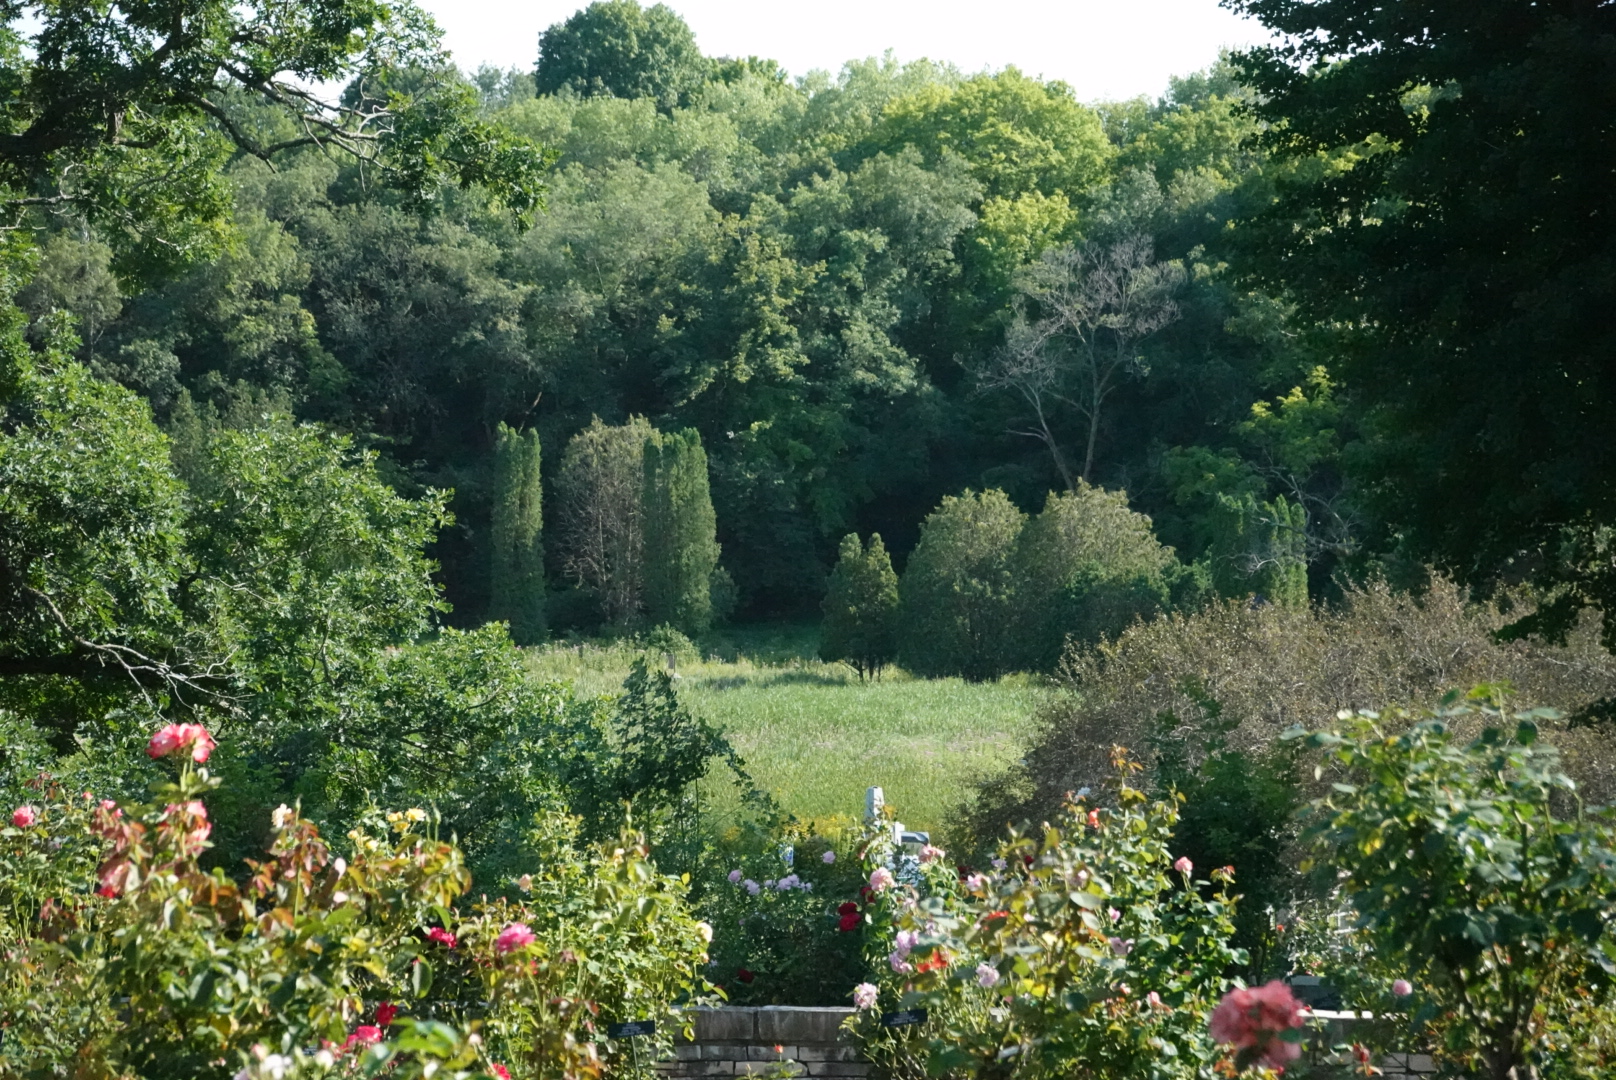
(1255, 1020)
(1183, 865)
(881, 879)
(172, 737)
(24, 816)
(513, 937)
(1402, 988)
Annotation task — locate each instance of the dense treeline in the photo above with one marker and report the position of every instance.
(839, 283)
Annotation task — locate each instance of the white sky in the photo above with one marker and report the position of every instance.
(1106, 49)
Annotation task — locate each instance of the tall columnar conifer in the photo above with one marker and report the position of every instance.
(1260, 549)
(861, 608)
(681, 544)
(516, 581)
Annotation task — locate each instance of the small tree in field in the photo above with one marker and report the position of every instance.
(861, 608)
(517, 573)
(681, 545)
(958, 591)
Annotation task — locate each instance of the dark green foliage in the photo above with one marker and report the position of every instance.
(861, 608)
(600, 491)
(959, 589)
(1442, 212)
(1259, 549)
(1085, 568)
(516, 587)
(618, 48)
(681, 551)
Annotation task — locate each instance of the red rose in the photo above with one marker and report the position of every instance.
(385, 1013)
(849, 921)
(500, 1071)
(847, 908)
(744, 975)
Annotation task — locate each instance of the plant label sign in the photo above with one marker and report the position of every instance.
(631, 1029)
(903, 1018)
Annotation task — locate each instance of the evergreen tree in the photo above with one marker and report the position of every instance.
(681, 545)
(1260, 549)
(861, 608)
(517, 579)
(958, 591)
(600, 488)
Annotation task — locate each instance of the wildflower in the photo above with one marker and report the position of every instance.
(734, 877)
(987, 976)
(173, 737)
(513, 937)
(881, 879)
(752, 887)
(1402, 988)
(768, 883)
(1183, 865)
(385, 1013)
(24, 816)
(929, 854)
(744, 975)
(1116, 916)
(999, 864)
(828, 858)
(787, 883)
(282, 816)
(976, 883)
(1254, 1021)
(500, 1071)
(1121, 947)
(864, 995)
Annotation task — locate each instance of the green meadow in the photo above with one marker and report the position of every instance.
(816, 737)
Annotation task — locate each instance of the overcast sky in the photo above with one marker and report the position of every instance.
(1105, 49)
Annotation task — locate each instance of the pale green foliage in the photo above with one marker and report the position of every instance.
(681, 550)
(861, 607)
(516, 586)
(599, 492)
(958, 590)
(1260, 549)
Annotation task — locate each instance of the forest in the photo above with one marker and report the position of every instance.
(523, 502)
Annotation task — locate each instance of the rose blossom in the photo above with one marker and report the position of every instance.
(1254, 1019)
(929, 854)
(987, 976)
(864, 995)
(385, 1013)
(1402, 988)
(513, 937)
(172, 737)
(441, 936)
(881, 879)
(976, 883)
(1120, 947)
(24, 816)
(500, 1071)
(828, 858)
(898, 963)
(1183, 865)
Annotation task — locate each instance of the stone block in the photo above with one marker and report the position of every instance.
(1421, 1063)
(826, 1053)
(756, 1068)
(726, 1025)
(709, 1068)
(769, 1053)
(687, 1052)
(795, 1026)
(838, 1068)
(723, 1051)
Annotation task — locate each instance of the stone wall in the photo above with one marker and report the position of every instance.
(777, 1040)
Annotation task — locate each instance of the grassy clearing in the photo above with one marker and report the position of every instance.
(816, 737)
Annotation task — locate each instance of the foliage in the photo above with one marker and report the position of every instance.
(214, 972)
(681, 553)
(1440, 172)
(958, 589)
(861, 608)
(1260, 549)
(1087, 946)
(1462, 868)
(616, 47)
(1269, 667)
(600, 489)
(516, 588)
(133, 137)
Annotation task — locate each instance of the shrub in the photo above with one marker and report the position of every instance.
(1270, 667)
(957, 593)
(1461, 870)
(312, 961)
(1087, 949)
(861, 608)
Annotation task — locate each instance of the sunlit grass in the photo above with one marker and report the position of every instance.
(816, 738)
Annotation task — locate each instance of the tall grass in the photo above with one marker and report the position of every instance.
(815, 737)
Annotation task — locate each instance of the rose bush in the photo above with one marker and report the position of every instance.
(124, 958)
(1082, 951)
